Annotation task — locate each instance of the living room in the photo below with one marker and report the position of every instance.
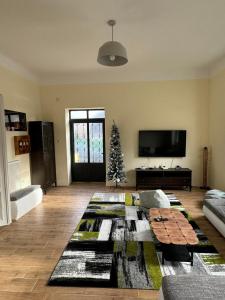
(173, 80)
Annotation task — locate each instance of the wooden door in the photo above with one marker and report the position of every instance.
(88, 148)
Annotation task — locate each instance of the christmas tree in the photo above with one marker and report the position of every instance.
(115, 168)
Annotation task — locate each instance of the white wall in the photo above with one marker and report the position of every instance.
(22, 95)
(134, 106)
(217, 131)
(195, 105)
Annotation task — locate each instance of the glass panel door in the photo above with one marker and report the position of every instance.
(80, 143)
(96, 142)
(87, 145)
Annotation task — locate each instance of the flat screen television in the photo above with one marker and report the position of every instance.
(162, 143)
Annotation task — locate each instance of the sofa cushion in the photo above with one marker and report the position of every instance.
(154, 198)
(23, 192)
(214, 194)
(187, 287)
(217, 206)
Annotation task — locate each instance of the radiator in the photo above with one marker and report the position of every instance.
(14, 175)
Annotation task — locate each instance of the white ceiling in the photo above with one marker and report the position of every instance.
(58, 40)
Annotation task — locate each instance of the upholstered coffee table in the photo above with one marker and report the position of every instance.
(174, 232)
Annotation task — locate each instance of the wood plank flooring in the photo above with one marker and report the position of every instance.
(31, 247)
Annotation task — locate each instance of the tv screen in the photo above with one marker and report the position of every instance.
(162, 143)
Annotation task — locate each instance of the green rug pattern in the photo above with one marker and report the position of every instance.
(113, 246)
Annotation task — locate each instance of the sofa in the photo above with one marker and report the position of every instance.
(23, 200)
(214, 209)
(193, 287)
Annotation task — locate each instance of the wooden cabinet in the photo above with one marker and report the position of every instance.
(42, 154)
(154, 178)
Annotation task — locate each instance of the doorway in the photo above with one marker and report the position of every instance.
(87, 139)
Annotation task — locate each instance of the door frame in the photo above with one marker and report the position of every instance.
(5, 206)
(87, 121)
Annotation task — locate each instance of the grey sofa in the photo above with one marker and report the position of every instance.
(200, 287)
(193, 287)
(214, 209)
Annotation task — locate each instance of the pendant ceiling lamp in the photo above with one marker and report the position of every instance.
(112, 53)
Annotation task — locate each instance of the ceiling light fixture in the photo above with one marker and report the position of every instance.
(112, 53)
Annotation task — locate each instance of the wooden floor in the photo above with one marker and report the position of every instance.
(31, 247)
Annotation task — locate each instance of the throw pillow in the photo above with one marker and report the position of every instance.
(154, 198)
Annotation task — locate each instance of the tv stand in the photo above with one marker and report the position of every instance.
(158, 178)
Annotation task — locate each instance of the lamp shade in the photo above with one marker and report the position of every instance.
(112, 54)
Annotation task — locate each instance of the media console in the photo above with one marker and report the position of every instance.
(157, 178)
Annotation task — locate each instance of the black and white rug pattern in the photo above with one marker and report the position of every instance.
(113, 246)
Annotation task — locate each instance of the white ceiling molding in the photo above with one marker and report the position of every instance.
(11, 65)
(122, 76)
(59, 40)
(114, 76)
(89, 78)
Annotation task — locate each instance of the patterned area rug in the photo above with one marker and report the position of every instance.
(113, 246)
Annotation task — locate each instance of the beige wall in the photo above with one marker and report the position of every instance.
(135, 106)
(195, 105)
(217, 131)
(20, 95)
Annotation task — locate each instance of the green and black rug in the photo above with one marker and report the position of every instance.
(113, 246)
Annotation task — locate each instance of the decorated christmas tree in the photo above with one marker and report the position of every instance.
(115, 167)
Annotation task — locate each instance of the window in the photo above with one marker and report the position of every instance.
(96, 142)
(87, 114)
(96, 114)
(78, 114)
(80, 142)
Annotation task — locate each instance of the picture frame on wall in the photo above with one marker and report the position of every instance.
(15, 121)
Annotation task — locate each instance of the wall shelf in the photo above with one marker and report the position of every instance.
(15, 121)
